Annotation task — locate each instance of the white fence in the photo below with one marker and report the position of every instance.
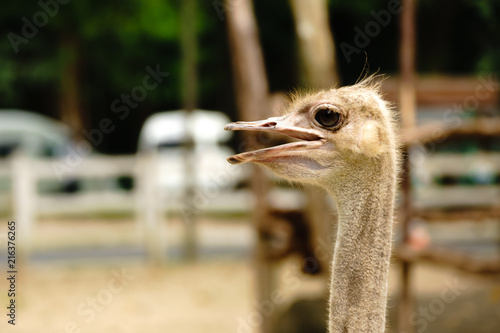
(26, 204)
(148, 200)
(480, 166)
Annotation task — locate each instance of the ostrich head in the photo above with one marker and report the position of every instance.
(339, 132)
(346, 144)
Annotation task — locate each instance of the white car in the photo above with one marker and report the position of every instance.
(167, 133)
(33, 134)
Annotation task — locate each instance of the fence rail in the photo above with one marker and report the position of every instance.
(28, 204)
(148, 200)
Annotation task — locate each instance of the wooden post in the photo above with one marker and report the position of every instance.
(407, 107)
(149, 211)
(406, 299)
(24, 203)
(189, 92)
(407, 101)
(252, 96)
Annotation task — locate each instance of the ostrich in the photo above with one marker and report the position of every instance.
(347, 146)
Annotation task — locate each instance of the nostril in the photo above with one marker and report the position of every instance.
(270, 124)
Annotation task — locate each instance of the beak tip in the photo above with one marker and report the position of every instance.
(228, 127)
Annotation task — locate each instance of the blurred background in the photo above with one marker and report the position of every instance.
(128, 217)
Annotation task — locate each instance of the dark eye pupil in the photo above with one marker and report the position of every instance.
(327, 117)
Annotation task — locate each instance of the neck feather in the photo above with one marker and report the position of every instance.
(363, 249)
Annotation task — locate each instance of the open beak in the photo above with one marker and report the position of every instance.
(311, 139)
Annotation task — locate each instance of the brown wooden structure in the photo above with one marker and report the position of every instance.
(436, 91)
(407, 91)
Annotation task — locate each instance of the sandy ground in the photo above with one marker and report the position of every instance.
(189, 298)
(213, 295)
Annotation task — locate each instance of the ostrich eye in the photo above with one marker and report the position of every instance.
(327, 116)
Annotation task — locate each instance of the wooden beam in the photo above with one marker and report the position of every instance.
(439, 130)
(444, 215)
(407, 108)
(407, 101)
(189, 102)
(249, 73)
(449, 91)
(451, 258)
(252, 96)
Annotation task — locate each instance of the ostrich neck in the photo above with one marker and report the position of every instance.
(363, 249)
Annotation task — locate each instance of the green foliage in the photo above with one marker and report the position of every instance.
(489, 12)
(117, 39)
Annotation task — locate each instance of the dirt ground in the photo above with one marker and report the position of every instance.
(198, 298)
(213, 295)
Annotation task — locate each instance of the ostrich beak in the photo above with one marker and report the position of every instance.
(284, 125)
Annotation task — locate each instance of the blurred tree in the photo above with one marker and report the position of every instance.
(70, 110)
(83, 55)
(316, 43)
(114, 41)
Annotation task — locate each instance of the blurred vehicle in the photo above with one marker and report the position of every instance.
(32, 134)
(35, 135)
(167, 133)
